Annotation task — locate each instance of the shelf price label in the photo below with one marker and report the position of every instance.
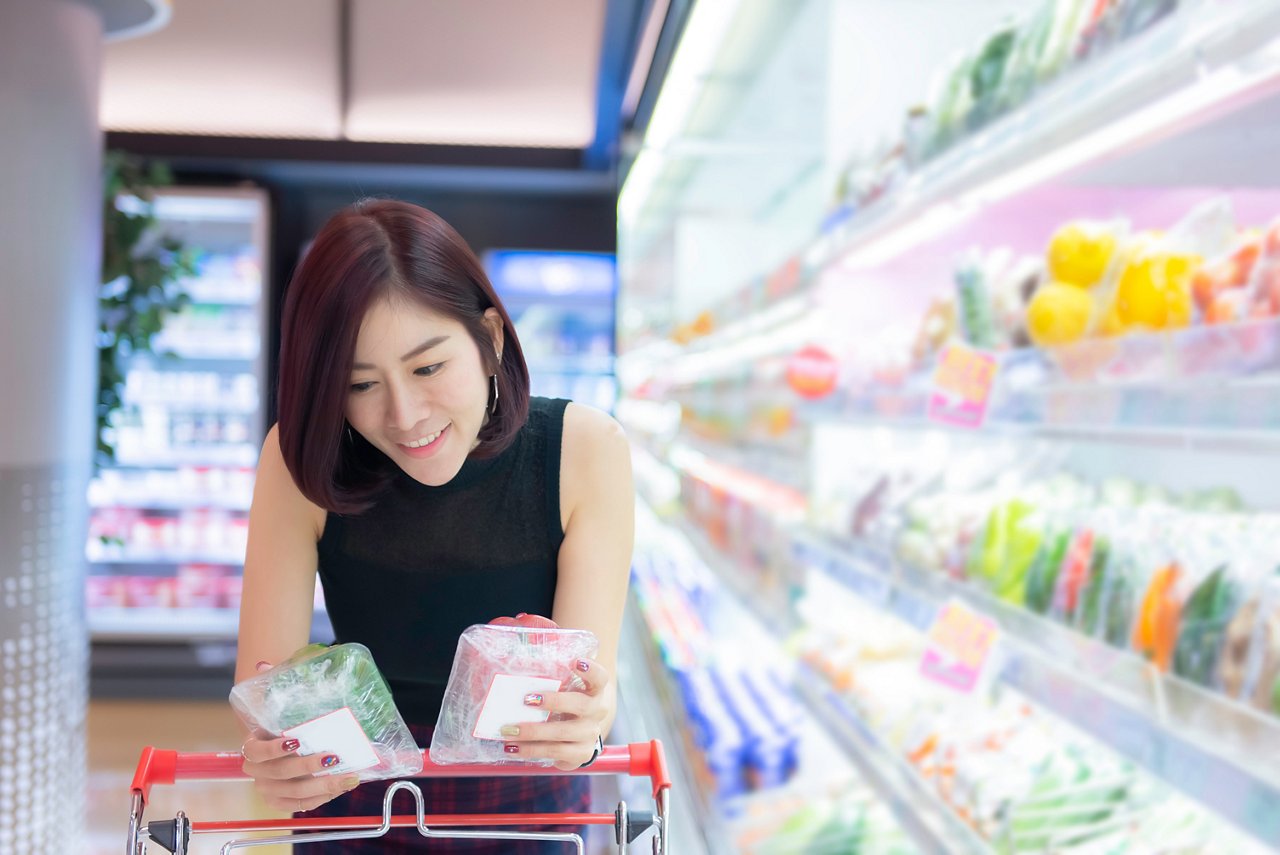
(962, 384)
(959, 647)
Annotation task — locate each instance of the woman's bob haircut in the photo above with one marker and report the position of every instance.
(377, 249)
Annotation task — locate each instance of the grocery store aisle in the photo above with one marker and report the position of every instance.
(118, 730)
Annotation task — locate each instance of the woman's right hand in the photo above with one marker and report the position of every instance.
(288, 781)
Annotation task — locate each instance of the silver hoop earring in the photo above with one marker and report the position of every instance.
(493, 382)
(351, 440)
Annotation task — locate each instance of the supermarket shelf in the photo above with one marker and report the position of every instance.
(931, 825)
(1101, 414)
(1213, 749)
(212, 405)
(696, 829)
(172, 503)
(573, 365)
(162, 624)
(239, 454)
(1206, 59)
(175, 557)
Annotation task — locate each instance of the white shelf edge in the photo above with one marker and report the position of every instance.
(162, 624)
(169, 558)
(160, 504)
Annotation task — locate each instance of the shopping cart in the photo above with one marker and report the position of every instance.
(639, 759)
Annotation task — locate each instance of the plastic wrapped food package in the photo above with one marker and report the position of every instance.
(493, 669)
(332, 699)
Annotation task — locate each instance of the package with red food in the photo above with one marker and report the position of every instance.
(495, 667)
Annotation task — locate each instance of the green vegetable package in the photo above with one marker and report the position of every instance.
(332, 699)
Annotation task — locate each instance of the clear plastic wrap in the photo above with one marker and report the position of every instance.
(493, 669)
(332, 700)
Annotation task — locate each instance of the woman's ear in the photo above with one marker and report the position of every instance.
(493, 321)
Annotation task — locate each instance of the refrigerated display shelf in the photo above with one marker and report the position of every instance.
(934, 827)
(172, 503)
(897, 411)
(931, 825)
(211, 405)
(225, 558)
(238, 454)
(162, 624)
(696, 827)
(1213, 749)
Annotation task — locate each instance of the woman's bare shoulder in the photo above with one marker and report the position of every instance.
(277, 498)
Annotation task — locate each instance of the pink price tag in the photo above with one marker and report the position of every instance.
(959, 647)
(962, 384)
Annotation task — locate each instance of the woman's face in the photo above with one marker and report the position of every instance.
(419, 391)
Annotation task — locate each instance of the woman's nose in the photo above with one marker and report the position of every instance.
(403, 411)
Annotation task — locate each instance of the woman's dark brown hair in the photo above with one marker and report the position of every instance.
(377, 249)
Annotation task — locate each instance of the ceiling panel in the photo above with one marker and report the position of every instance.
(481, 72)
(231, 67)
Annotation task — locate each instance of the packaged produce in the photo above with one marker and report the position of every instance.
(332, 699)
(494, 668)
(1059, 314)
(1082, 252)
(1204, 621)
(988, 75)
(973, 298)
(1155, 631)
(1250, 666)
(1108, 599)
(1042, 575)
(1008, 547)
(1264, 279)
(1219, 287)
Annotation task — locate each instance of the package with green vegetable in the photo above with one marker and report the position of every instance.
(332, 700)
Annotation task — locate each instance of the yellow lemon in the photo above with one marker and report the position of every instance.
(1079, 255)
(1155, 292)
(1058, 314)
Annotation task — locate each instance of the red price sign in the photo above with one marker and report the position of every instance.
(959, 647)
(962, 385)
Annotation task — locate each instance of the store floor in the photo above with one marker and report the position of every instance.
(118, 730)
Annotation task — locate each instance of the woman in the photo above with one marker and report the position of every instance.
(411, 471)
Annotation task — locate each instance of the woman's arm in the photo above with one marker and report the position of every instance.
(279, 566)
(275, 620)
(598, 505)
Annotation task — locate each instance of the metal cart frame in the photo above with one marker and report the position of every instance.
(161, 767)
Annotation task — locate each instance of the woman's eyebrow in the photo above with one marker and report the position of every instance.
(422, 348)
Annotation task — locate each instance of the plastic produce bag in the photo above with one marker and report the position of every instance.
(332, 699)
(493, 669)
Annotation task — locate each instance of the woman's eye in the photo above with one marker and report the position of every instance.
(428, 370)
(361, 387)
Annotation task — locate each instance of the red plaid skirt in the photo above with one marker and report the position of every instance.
(537, 794)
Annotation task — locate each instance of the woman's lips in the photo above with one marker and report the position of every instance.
(426, 450)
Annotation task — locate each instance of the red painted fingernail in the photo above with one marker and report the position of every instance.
(511, 748)
(522, 614)
(262, 662)
(583, 665)
(290, 745)
(533, 699)
(329, 761)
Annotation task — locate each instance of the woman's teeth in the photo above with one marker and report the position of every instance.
(426, 440)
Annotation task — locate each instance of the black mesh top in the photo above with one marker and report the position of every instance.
(408, 576)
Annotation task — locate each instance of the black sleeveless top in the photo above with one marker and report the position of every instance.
(406, 577)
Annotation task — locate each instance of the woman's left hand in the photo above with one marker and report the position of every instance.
(573, 740)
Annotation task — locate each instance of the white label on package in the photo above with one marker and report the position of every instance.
(505, 703)
(337, 733)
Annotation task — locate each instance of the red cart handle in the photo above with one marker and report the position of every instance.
(639, 760)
